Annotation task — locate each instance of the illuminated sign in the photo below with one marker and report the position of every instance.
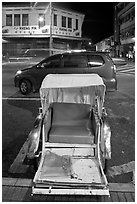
(35, 30)
(27, 30)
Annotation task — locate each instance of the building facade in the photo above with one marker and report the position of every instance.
(37, 26)
(106, 45)
(122, 43)
(125, 28)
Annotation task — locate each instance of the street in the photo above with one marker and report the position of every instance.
(19, 112)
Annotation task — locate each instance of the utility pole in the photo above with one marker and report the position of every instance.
(51, 39)
(116, 32)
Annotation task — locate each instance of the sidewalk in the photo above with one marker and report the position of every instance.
(19, 190)
(122, 61)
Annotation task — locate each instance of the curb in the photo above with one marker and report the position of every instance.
(19, 190)
(22, 182)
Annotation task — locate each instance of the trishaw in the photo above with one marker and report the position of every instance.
(70, 141)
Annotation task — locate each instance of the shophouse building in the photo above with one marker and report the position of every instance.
(106, 45)
(124, 33)
(123, 41)
(40, 25)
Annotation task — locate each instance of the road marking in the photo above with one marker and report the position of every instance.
(123, 68)
(126, 65)
(125, 73)
(126, 70)
(21, 99)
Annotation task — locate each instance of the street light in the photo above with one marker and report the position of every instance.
(41, 19)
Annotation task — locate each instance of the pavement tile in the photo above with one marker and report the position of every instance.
(9, 181)
(9, 194)
(23, 182)
(122, 187)
(121, 197)
(4, 191)
(114, 197)
(128, 197)
(19, 194)
(17, 189)
(28, 197)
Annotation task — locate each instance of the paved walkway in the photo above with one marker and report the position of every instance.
(19, 190)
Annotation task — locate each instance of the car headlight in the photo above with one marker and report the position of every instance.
(18, 72)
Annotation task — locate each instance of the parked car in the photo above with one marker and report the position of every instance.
(70, 143)
(84, 62)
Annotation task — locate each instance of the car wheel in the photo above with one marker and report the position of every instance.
(25, 87)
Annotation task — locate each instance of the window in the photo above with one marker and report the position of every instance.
(63, 21)
(69, 22)
(52, 62)
(25, 20)
(16, 19)
(95, 60)
(55, 20)
(75, 61)
(76, 24)
(8, 20)
(41, 20)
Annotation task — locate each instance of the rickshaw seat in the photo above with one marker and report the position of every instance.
(71, 123)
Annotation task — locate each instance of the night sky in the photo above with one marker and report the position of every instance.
(99, 17)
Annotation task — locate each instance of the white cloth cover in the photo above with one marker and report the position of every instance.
(71, 88)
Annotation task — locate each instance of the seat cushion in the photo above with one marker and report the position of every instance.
(71, 135)
(70, 114)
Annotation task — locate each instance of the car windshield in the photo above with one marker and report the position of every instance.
(52, 60)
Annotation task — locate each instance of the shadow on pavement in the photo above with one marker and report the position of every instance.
(30, 103)
(18, 115)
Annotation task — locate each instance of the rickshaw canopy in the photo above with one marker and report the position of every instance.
(71, 88)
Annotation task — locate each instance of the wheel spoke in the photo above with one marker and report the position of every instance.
(23, 87)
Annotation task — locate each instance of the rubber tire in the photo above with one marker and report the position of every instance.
(27, 86)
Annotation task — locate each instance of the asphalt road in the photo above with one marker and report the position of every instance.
(19, 112)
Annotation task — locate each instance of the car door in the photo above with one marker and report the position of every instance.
(73, 64)
(47, 66)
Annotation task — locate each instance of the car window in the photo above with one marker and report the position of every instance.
(52, 62)
(36, 53)
(40, 53)
(95, 60)
(74, 61)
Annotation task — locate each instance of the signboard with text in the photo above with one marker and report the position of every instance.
(35, 30)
